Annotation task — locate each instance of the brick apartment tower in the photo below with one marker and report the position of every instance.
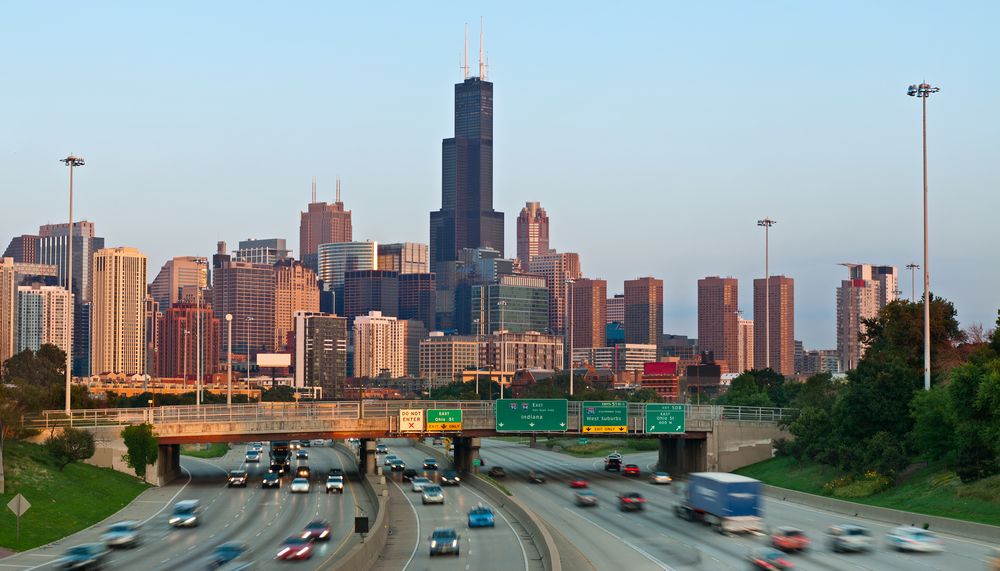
(532, 233)
(718, 320)
(295, 289)
(175, 346)
(557, 267)
(643, 310)
(782, 325)
(588, 303)
(322, 223)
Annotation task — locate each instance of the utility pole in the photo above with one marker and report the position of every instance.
(72, 162)
(913, 284)
(229, 360)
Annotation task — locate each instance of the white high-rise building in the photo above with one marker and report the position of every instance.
(868, 290)
(118, 318)
(379, 345)
(44, 317)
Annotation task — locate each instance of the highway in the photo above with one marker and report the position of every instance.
(656, 539)
(498, 549)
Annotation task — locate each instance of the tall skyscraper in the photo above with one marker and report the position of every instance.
(370, 290)
(336, 259)
(268, 251)
(322, 223)
(178, 273)
(589, 309)
(744, 357)
(718, 320)
(868, 290)
(781, 330)
(557, 267)
(118, 321)
(295, 290)
(321, 352)
(379, 346)
(246, 291)
(404, 258)
(616, 309)
(532, 233)
(53, 247)
(417, 297)
(643, 310)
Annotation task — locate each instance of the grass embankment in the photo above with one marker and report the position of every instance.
(597, 447)
(931, 490)
(61, 502)
(215, 450)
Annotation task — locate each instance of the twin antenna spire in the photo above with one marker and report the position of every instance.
(484, 65)
(314, 190)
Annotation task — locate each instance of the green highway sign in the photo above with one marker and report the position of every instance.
(607, 416)
(665, 418)
(444, 419)
(582, 441)
(531, 415)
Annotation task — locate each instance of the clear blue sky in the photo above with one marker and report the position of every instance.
(654, 134)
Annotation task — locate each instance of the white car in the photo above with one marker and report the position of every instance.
(388, 459)
(432, 494)
(122, 534)
(300, 486)
(660, 478)
(335, 484)
(909, 538)
(253, 456)
(317, 442)
(849, 537)
(419, 482)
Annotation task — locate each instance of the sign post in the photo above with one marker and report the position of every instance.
(607, 416)
(532, 415)
(19, 504)
(411, 420)
(665, 418)
(444, 420)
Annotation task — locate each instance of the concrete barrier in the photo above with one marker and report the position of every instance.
(535, 527)
(965, 529)
(366, 554)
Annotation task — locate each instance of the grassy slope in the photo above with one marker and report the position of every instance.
(931, 490)
(207, 451)
(61, 502)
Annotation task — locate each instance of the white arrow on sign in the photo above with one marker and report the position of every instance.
(531, 424)
(651, 428)
(500, 424)
(19, 504)
(562, 424)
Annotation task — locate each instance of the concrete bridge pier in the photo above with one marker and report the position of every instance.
(168, 464)
(466, 452)
(368, 462)
(680, 456)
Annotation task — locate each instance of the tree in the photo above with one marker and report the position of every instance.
(933, 434)
(995, 336)
(141, 447)
(71, 445)
(898, 334)
(280, 393)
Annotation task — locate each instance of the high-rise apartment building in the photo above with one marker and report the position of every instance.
(295, 290)
(744, 356)
(321, 352)
(23, 248)
(178, 342)
(774, 338)
(379, 346)
(153, 318)
(621, 357)
(268, 251)
(322, 223)
(718, 318)
(53, 247)
(246, 291)
(616, 309)
(532, 233)
(517, 303)
(44, 316)
(868, 290)
(118, 320)
(177, 275)
(511, 352)
(557, 267)
(588, 304)
(370, 290)
(404, 258)
(336, 259)
(8, 309)
(417, 298)
(643, 310)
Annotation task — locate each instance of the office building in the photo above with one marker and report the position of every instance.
(622, 357)
(53, 244)
(643, 310)
(443, 357)
(588, 304)
(118, 319)
(247, 292)
(336, 259)
(418, 298)
(370, 290)
(379, 346)
(616, 309)
(267, 251)
(821, 361)
(517, 303)
(744, 341)
(557, 267)
(322, 223)
(416, 332)
(178, 342)
(23, 248)
(778, 332)
(321, 352)
(532, 233)
(718, 318)
(44, 316)
(663, 378)
(179, 274)
(295, 289)
(81, 340)
(153, 318)
(510, 352)
(404, 258)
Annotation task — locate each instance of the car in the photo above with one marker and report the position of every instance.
(789, 539)
(227, 553)
(417, 484)
(432, 494)
(613, 463)
(381, 449)
(409, 474)
(237, 478)
(295, 548)
(122, 534)
(497, 472)
(536, 477)
(481, 516)
(294, 445)
(271, 480)
(303, 472)
(302, 454)
(662, 478)
(306, 443)
(389, 459)
(849, 537)
(336, 472)
(769, 559)
(578, 483)
(335, 484)
(437, 441)
(186, 514)
(317, 442)
(444, 541)
(908, 538)
(631, 502)
(278, 468)
(450, 478)
(84, 556)
(631, 470)
(253, 456)
(317, 530)
(255, 445)
(430, 464)
(398, 465)
(300, 486)
(585, 498)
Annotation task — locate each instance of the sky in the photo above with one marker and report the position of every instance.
(654, 134)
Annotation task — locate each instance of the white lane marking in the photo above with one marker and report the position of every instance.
(514, 531)
(171, 500)
(638, 549)
(416, 516)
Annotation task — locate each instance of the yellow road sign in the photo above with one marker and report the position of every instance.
(604, 429)
(444, 426)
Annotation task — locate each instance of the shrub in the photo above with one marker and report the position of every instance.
(72, 445)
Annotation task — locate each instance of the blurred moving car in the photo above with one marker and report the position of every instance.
(585, 498)
(335, 484)
(450, 478)
(444, 541)
(409, 474)
(631, 470)
(122, 534)
(789, 539)
(661, 478)
(226, 553)
(336, 472)
(437, 441)
(303, 472)
(430, 464)
(302, 454)
(417, 484)
(389, 459)
(432, 494)
(578, 483)
(497, 472)
(317, 530)
(631, 502)
(186, 514)
(849, 537)
(84, 556)
(397, 465)
(317, 442)
(306, 443)
(613, 461)
(481, 516)
(295, 548)
(908, 538)
(381, 448)
(536, 477)
(271, 480)
(769, 559)
(300, 486)
(294, 445)
(237, 478)
(253, 456)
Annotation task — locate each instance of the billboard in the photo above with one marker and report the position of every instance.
(274, 359)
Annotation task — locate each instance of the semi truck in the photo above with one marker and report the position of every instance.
(728, 502)
(280, 453)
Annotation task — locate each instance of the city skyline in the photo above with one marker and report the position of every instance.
(856, 168)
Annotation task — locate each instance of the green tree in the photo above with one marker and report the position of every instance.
(71, 445)
(280, 393)
(898, 334)
(933, 434)
(141, 447)
(884, 454)
(644, 395)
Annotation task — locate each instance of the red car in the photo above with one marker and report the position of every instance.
(318, 530)
(295, 548)
(789, 539)
(631, 470)
(631, 501)
(578, 483)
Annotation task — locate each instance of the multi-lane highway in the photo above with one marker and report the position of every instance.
(656, 539)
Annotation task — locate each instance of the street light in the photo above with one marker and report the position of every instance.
(479, 332)
(197, 399)
(913, 283)
(767, 223)
(923, 91)
(503, 343)
(569, 329)
(249, 319)
(229, 360)
(186, 334)
(71, 162)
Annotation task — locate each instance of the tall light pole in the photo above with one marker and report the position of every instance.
(913, 282)
(503, 343)
(569, 331)
(923, 91)
(229, 361)
(72, 162)
(479, 327)
(197, 376)
(767, 223)
(186, 335)
(249, 319)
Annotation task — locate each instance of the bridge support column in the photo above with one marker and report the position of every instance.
(680, 456)
(168, 464)
(466, 452)
(367, 463)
